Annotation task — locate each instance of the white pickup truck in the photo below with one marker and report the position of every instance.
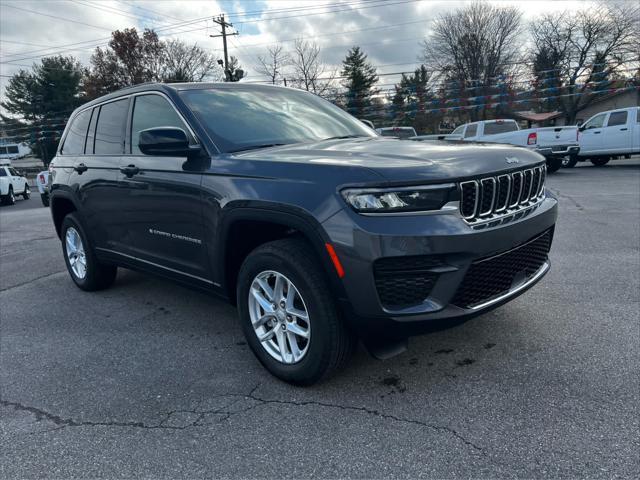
(553, 143)
(608, 135)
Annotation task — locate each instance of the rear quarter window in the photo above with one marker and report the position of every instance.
(494, 128)
(74, 141)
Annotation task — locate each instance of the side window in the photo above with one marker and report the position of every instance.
(152, 111)
(74, 142)
(595, 122)
(13, 172)
(91, 134)
(110, 129)
(617, 118)
(3, 173)
(471, 130)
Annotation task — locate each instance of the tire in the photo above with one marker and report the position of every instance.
(570, 161)
(329, 343)
(45, 199)
(600, 162)
(27, 192)
(97, 276)
(10, 198)
(554, 164)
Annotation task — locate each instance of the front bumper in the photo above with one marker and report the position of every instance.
(444, 237)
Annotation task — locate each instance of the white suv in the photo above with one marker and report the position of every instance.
(12, 184)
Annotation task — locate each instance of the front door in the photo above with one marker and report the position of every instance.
(161, 217)
(591, 137)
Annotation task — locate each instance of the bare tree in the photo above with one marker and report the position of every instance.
(188, 63)
(309, 72)
(586, 49)
(474, 45)
(273, 63)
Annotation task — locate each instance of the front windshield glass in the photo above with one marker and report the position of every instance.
(244, 117)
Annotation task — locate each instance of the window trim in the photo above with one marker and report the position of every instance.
(129, 133)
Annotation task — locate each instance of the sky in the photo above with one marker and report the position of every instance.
(389, 31)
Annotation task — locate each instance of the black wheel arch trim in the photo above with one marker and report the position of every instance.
(285, 215)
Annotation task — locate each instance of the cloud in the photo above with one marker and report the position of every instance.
(389, 32)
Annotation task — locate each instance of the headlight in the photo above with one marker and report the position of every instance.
(390, 200)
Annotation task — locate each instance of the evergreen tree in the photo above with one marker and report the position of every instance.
(40, 101)
(360, 79)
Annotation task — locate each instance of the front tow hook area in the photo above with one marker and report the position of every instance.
(384, 349)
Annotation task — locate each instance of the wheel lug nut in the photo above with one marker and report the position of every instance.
(282, 303)
(284, 327)
(289, 318)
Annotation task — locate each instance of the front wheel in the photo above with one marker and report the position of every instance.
(27, 192)
(554, 164)
(10, 198)
(83, 266)
(600, 162)
(288, 314)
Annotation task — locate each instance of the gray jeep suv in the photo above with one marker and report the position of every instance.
(319, 230)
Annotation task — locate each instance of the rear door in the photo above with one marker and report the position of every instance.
(17, 180)
(617, 134)
(590, 138)
(162, 213)
(92, 151)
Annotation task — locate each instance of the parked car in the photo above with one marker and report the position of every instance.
(553, 143)
(319, 230)
(12, 184)
(608, 135)
(42, 182)
(397, 132)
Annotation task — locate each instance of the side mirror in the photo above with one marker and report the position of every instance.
(166, 142)
(368, 123)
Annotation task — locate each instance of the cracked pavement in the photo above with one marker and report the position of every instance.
(151, 379)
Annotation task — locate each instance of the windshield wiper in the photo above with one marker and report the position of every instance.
(255, 147)
(341, 137)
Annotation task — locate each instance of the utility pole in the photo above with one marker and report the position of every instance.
(229, 76)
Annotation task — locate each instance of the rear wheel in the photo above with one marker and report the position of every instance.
(554, 164)
(600, 162)
(45, 199)
(570, 161)
(83, 266)
(27, 192)
(288, 314)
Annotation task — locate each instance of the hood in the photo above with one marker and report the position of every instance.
(405, 160)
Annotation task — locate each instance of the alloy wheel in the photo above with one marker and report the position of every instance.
(75, 253)
(279, 317)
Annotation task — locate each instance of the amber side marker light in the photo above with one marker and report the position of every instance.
(335, 260)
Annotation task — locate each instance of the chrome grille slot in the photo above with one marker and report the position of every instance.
(491, 201)
(487, 195)
(516, 189)
(469, 199)
(504, 191)
(527, 183)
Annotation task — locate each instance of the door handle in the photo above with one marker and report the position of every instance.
(624, 129)
(80, 168)
(129, 170)
(596, 133)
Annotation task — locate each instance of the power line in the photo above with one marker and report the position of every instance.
(55, 16)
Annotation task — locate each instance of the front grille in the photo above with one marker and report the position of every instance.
(491, 277)
(491, 198)
(403, 282)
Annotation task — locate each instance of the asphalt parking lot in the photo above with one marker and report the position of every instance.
(151, 379)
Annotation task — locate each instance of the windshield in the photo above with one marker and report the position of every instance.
(398, 132)
(244, 117)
